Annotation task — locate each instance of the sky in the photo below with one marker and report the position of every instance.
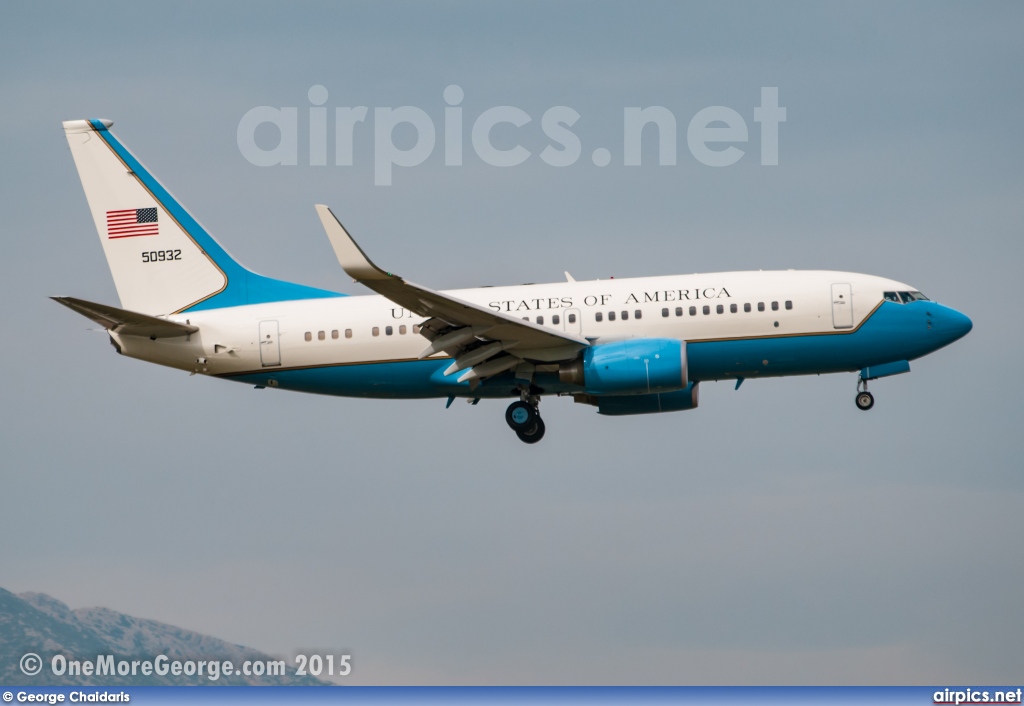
(774, 535)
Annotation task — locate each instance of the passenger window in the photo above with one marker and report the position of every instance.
(540, 320)
(598, 316)
(555, 319)
(376, 331)
(707, 310)
(388, 330)
(679, 311)
(720, 308)
(402, 329)
(789, 305)
(638, 314)
(775, 306)
(693, 311)
(611, 316)
(415, 328)
(321, 335)
(348, 333)
(572, 318)
(760, 306)
(334, 333)
(746, 307)
(309, 335)
(664, 312)
(733, 308)
(625, 315)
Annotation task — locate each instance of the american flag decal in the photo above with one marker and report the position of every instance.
(130, 222)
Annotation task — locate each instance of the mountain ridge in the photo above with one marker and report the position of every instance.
(33, 622)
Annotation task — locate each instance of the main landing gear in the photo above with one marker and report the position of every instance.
(524, 419)
(865, 400)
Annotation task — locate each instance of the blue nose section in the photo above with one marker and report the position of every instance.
(953, 324)
(960, 323)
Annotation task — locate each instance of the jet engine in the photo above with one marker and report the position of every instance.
(638, 366)
(621, 405)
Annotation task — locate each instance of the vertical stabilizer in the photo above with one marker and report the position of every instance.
(161, 259)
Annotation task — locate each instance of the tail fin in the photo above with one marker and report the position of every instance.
(161, 259)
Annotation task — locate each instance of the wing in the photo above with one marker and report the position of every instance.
(129, 323)
(487, 342)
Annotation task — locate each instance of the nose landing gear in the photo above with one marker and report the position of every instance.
(524, 419)
(865, 400)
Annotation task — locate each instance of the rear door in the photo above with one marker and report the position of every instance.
(270, 345)
(842, 306)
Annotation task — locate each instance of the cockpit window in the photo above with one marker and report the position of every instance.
(904, 297)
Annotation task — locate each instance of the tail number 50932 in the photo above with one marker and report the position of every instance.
(161, 255)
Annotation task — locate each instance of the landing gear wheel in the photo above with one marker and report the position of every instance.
(534, 435)
(865, 400)
(521, 416)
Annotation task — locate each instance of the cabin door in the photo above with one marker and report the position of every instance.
(842, 306)
(270, 345)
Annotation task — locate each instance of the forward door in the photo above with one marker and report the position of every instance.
(842, 306)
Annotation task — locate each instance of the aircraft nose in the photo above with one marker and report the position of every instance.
(961, 323)
(956, 324)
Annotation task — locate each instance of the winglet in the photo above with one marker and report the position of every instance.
(352, 258)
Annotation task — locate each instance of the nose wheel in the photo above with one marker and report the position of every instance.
(524, 419)
(865, 400)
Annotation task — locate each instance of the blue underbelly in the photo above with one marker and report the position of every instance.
(892, 332)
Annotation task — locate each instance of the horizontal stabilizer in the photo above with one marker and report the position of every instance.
(127, 323)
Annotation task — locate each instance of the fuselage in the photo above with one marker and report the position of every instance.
(735, 325)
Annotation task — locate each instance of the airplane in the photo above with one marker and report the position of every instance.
(624, 346)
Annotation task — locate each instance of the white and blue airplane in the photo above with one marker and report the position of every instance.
(625, 346)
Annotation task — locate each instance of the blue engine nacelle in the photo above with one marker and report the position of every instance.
(649, 404)
(639, 366)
